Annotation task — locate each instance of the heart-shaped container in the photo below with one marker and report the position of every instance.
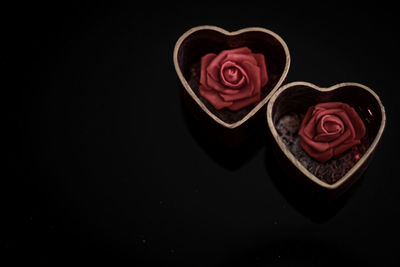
(233, 127)
(230, 127)
(291, 102)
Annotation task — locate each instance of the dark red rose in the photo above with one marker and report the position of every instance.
(233, 78)
(329, 129)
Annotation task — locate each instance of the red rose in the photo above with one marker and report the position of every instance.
(329, 129)
(233, 78)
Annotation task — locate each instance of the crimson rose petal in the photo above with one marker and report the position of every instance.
(214, 98)
(329, 129)
(204, 62)
(233, 78)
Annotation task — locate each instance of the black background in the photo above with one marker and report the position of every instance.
(104, 165)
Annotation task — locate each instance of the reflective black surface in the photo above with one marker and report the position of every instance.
(105, 165)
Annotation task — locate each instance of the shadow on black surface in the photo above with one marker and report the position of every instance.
(308, 203)
(231, 157)
(294, 251)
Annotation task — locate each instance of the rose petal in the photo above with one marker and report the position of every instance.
(213, 68)
(205, 61)
(334, 125)
(305, 121)
(242, 80)
(309, 128)
(214, 98)
(321, 112)
(239, 58)
(357, 123)
(220, 87)
(254, 75)
(318, 110)
(330, 124)
(347, 122)
(345, 146)
(244, 102)
(215, 64)
(325, 135)
(230, 97)
(317, 146)
(347, 135)
(251, 87)
(263, 68)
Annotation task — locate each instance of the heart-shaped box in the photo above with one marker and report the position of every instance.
(284, 112)
(231, 127)
(286, 106)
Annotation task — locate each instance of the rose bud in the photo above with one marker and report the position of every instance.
(233, 78)
(329, 129)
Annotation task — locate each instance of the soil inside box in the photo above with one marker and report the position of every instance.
(225, 114)
(332, 170)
